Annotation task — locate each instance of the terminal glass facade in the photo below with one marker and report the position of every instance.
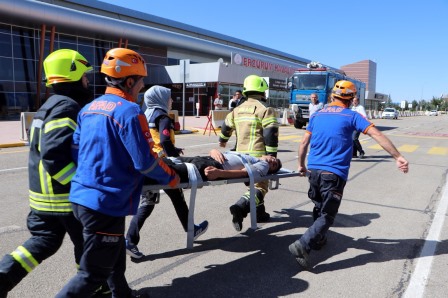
(19, 67)
(19, 59)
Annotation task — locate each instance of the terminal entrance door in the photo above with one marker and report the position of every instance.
(200, 97)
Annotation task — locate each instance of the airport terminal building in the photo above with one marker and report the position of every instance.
(195, 63)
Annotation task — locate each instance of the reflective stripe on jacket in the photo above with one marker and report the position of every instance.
(50, 165)
(154, 129)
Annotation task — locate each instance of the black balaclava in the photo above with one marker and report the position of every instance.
(74, 90)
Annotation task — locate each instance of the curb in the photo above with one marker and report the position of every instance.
(9, 145)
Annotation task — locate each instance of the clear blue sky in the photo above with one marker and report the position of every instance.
(407, 39)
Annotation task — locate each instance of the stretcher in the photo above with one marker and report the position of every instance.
(195, 182)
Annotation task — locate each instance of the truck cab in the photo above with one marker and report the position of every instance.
(303, 83)
(317, 79)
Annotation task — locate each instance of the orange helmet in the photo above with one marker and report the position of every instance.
(121, 63)
(344, 90)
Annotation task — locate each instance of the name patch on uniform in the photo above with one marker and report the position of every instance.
(246, 110)
(102, 105)
(110, 239)
(332, 109)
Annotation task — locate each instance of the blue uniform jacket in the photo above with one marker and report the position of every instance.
(113, 148)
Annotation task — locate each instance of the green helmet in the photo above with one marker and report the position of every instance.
(255, 83)
(64, 66)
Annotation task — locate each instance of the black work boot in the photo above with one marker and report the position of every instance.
(238, 217)
(361, 155)
(262, 215)
(239, 211)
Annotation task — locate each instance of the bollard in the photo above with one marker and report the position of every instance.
(26, 118)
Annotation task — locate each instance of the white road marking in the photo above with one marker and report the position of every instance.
(9, 229)
(13, 169)
(419, 278)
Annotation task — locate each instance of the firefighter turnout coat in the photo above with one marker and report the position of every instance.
(256, 128)
(51, 167)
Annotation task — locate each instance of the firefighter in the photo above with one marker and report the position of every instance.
(113, 150)
(51, 168)
(256, 128)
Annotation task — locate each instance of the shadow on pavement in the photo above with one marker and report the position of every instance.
(266, 268)
(385, 128)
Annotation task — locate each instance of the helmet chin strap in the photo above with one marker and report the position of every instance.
(117, 83)
(347, 103)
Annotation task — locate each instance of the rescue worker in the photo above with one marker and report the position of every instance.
(113, 150)
(158, 103)
(330, 135)
(51, 168)
(256, 129)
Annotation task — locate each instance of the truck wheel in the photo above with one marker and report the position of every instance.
(298, 125)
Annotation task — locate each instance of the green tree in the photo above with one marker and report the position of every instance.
(443, 105)
(436, 103)
(422, 103)
(414, 105)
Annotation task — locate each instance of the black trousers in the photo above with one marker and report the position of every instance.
(357, 147)
(104, 256)
(201, 162)
(48, 233)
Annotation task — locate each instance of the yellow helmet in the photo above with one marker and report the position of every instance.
(344, 90)
(254, 83)
(64, 66)
(121, 63)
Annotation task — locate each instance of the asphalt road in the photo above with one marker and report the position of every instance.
(385, 222)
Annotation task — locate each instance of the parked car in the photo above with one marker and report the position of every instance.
(389, 113)
(433, 113)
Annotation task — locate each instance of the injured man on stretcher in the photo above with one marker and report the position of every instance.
(220, 165)
(217, 165)
(225, 165)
